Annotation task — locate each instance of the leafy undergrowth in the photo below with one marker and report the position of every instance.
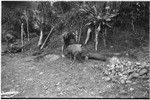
(49, 75)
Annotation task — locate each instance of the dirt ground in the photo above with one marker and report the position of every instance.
(51, 76)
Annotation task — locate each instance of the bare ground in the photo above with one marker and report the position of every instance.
(51, 75)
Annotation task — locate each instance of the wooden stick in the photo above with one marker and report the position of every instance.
(47, 37)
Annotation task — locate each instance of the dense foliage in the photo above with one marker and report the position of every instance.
(128, 20)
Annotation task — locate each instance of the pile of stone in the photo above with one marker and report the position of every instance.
(124, 71)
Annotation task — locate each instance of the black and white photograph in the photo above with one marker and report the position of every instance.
(75, 49)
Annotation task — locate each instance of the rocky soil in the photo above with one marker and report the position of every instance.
(51, 76)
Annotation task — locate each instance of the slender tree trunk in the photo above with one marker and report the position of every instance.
(96, 39)
(41, 33)
(27, 21)
(76, 35)
(96, 36)
(26, 18)
(104, 37)
(40, 38)
(84, 3)
(80, 31)
(88, 35)
(22, 32)
(133, 28)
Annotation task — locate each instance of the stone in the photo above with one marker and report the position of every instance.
(128, 81)
(143, 65)
(122, 81)
(106, 72)
(106, 78)
(131, 89)
(133, 75)
(138, 63)
(143, 71)
(40, 73)
(114, 60)
(130, 71)
(52, 57)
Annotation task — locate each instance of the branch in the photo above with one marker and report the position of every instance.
(10, 93)
(47, 37)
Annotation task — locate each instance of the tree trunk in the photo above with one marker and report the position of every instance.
(132, 23)
(22, 32)
(96, 36)
(104, 37)
(88, 35)
(80, 31)
(28, 29)
(41, 38)
(96, 39)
